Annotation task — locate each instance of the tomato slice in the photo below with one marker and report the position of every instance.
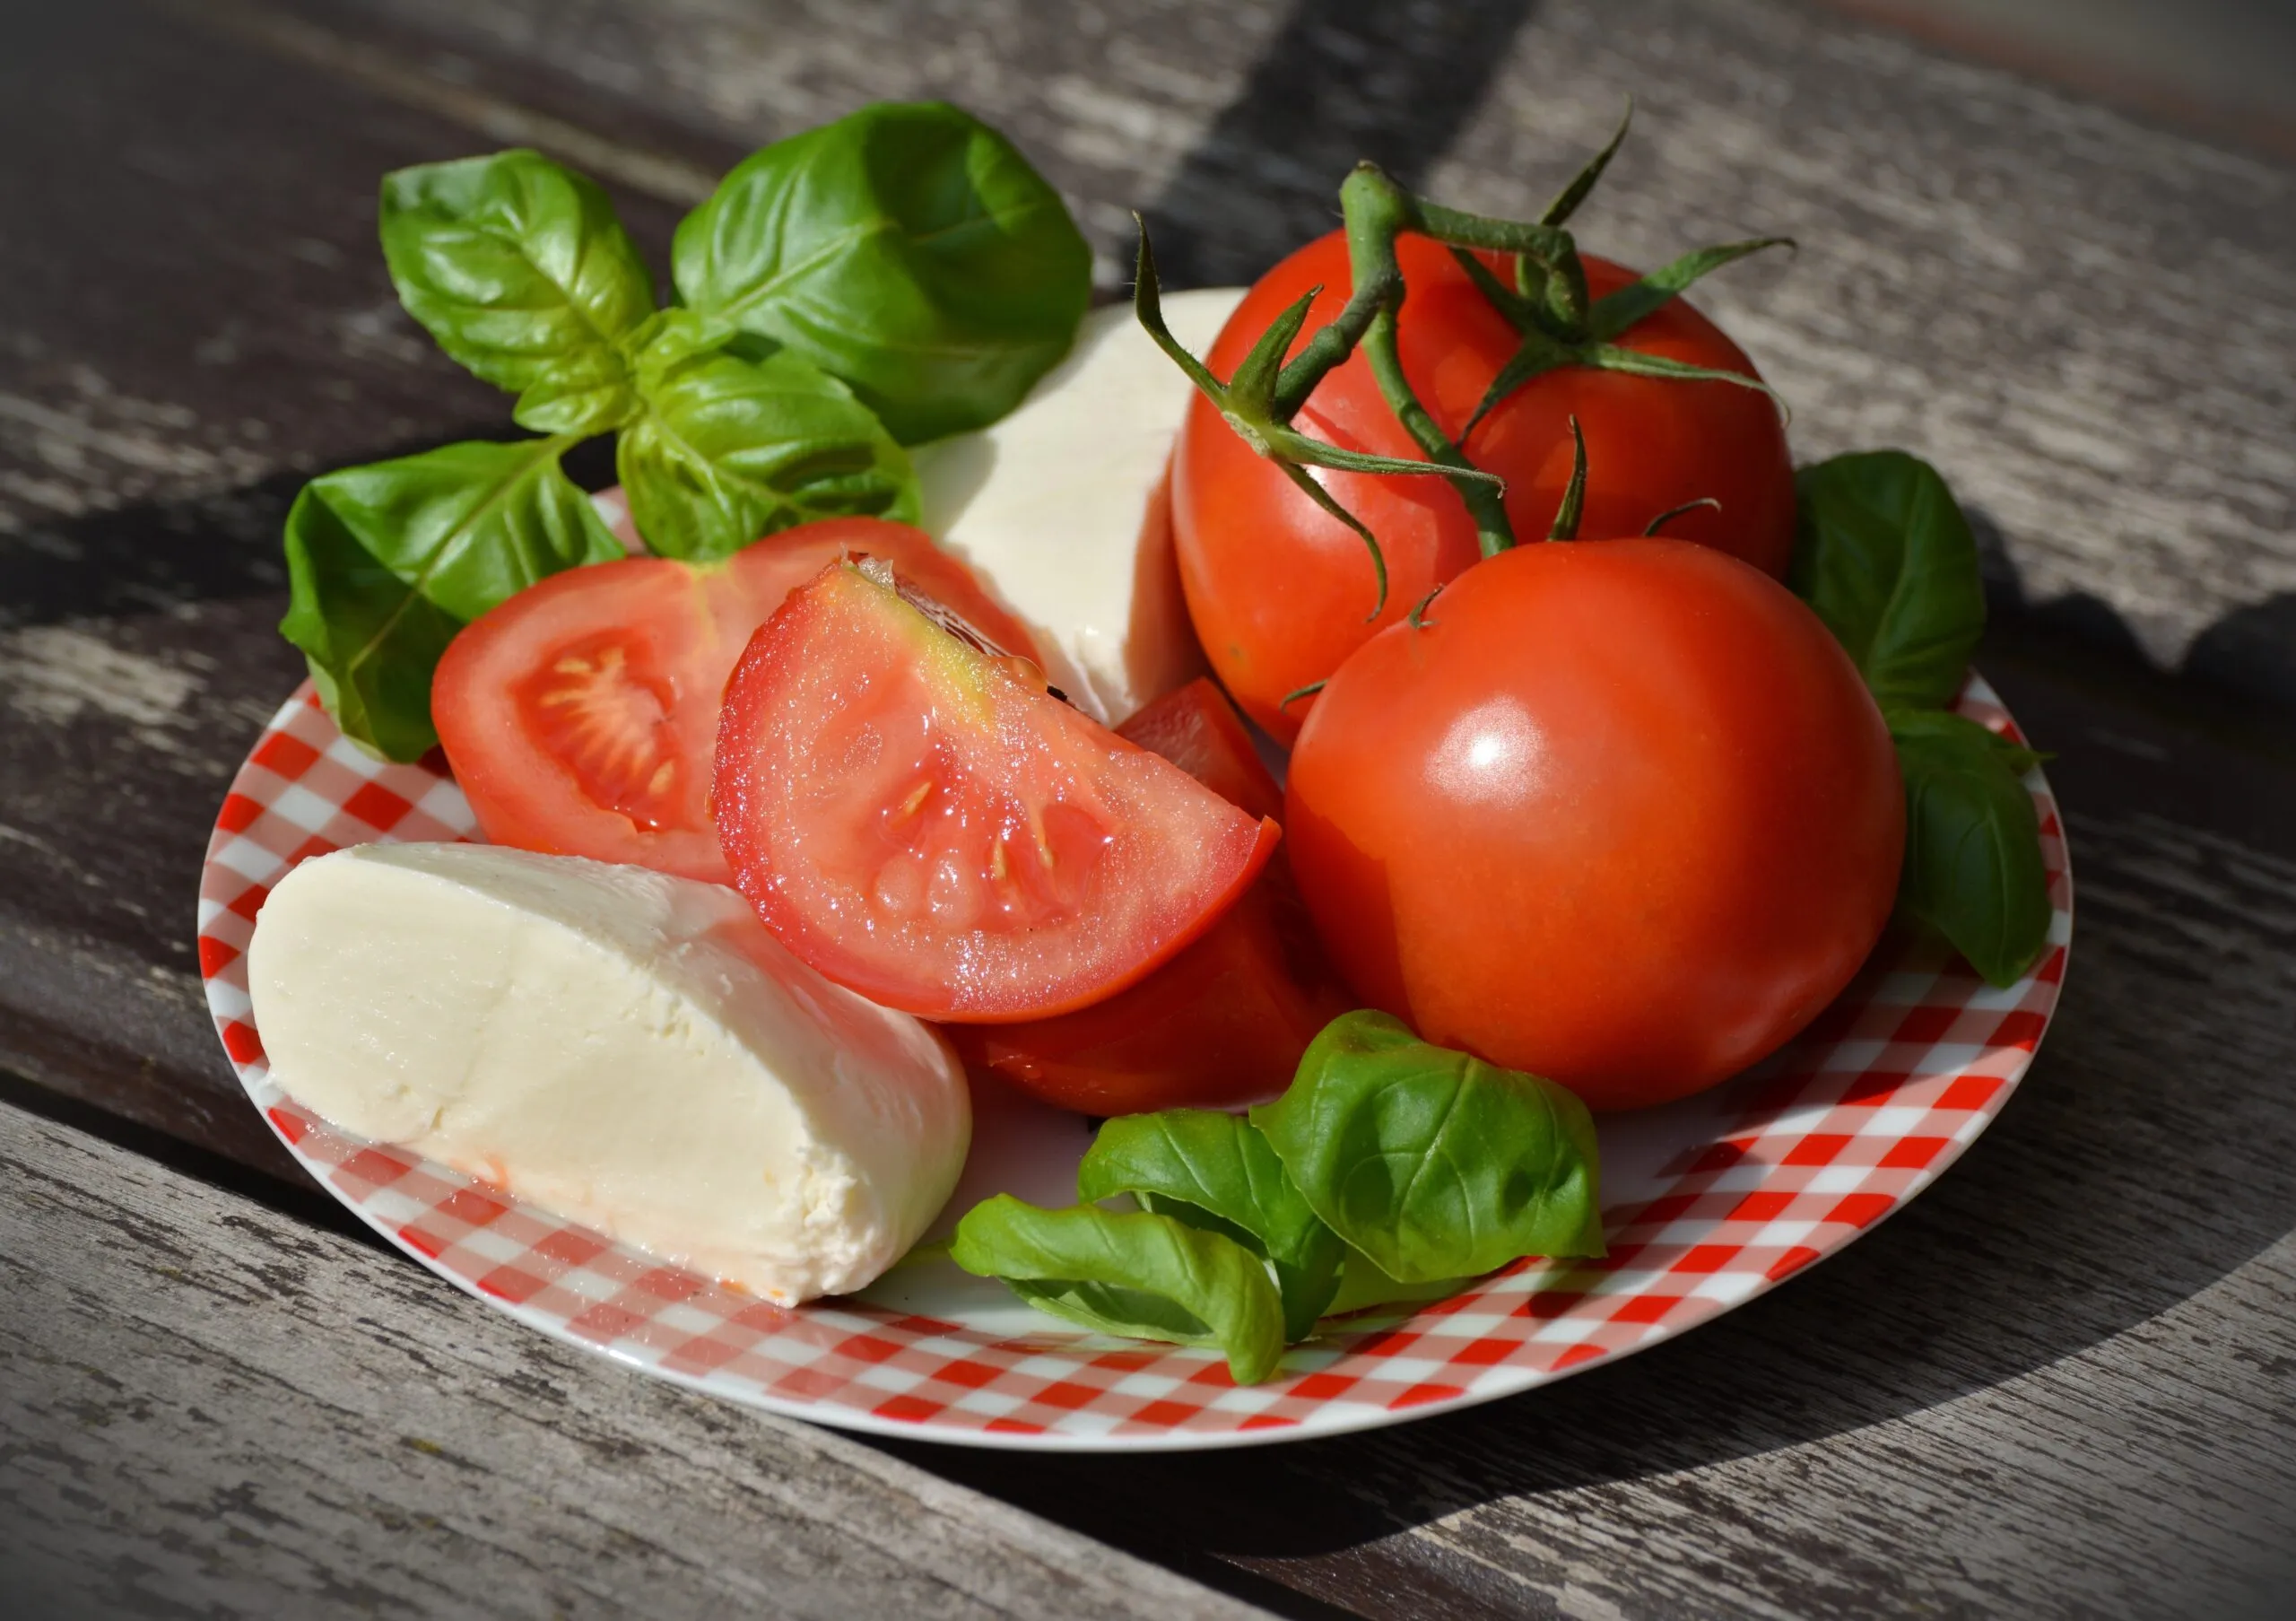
(580, 715)
(1224, 1023)
(926, 825)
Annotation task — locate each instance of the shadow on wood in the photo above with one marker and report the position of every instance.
(2147, 1157)
(1338, 83)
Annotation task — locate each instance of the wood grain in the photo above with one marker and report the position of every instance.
(2059, 1383)
(210, 1411)
(2089, 322)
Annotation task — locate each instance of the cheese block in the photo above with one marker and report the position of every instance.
(624, 1048)
(1060, 508)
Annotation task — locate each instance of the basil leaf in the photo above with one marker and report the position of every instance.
(1884, 554)
(1129, 1273)
(1973, 865)
(1362, 1286)
(385, 562)
(907, 248)
(738, 441)
(1214, 1171)
(1433, 1163)
(521, 270)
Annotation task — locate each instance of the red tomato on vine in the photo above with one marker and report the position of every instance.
(1281, 591)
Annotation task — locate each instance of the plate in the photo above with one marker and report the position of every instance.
(1707, 1203)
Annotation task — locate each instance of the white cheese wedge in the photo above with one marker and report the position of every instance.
(1060, 508)
(626, 1049)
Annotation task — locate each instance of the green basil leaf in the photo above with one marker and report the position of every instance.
(735, 442)
(907, 248)
(1973, 865)
(1214, 1171)
(1433, 1163)
(1362, 1286)
(1884, 556)
(385, 562)
(1130, 1273)
(521, 270)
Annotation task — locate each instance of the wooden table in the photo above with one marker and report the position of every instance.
(2064, 1382)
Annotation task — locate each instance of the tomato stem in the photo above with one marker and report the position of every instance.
(1672, 513)
(1377, 211)
(1550, 306)
(1574, 494)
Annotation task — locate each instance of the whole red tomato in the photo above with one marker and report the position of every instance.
(1619, 813)
(1280, 590)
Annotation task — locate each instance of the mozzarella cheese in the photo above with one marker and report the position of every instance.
(626, 1049)
(1060, 508)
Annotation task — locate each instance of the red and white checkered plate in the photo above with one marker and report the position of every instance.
(1708, 1202)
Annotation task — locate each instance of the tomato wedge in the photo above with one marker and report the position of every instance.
(927, 824)
(1224, 1023)
(579, 716)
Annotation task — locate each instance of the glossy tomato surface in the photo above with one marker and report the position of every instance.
(1224, 1023)
(1619, 813)
(1280, 591)
(927, 824)
(579, 716)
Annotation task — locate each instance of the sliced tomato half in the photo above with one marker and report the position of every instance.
(927, 824)
(1222, 1024)
(580, 715)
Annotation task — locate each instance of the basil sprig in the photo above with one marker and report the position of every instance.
(1432, 1162)
(521, 270)
(1215, 1171)
(906, 249)
(1972, 842)
(908, 253)
(1886, 556)
(1887, 559)
(385, 562)
(1392, 1169)
(739, 439)
(1142, 1275)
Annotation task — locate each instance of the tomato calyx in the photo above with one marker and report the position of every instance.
(1560, 326)
(1259, 400)
(1550, 307)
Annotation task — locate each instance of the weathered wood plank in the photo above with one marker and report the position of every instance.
(157, 410)
(2058, 1384)
(193, 316)
(2090, 322)
(206, 1409)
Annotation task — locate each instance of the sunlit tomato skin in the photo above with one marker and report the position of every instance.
(927, 824)
(1281, 592)
(1619, 813)
(579, 716)
(1224, 1023)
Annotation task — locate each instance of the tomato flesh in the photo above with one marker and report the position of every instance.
(1224, 1023)
(925, 826)
(580, 715)
(1280, 591)
(1619, 813)
(606, 718)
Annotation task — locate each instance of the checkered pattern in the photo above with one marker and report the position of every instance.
(1709, 1202)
